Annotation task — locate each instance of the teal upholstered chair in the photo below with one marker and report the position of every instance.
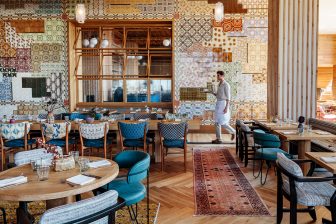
(57, 134)
(14, 136)
(98, 209)
(130, 187)
(133, 135)
(173, 135)
(268, 147)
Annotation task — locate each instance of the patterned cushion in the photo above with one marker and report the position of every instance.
(135, 142)
(13, 131)
(96, 143)
(25, 157)
(323, 125)
(173, 143)
(15, 143)
(70, 212)
(172, 131)
(270, 153)
(291, 166)
(150, 116)
(313, 194)
(244, 127)
(55, 131)
(133, 130)
(61, 142)
(93, 131)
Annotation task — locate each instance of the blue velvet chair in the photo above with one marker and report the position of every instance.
(57, 134)
(94, 136)
(14, 136)
(74, 116)
(173, 135)
(268, 147)
(130, 186)
(133, 135)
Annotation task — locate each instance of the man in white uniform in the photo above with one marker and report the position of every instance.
(222, 111)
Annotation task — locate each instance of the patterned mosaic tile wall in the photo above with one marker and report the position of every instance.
(238, 45)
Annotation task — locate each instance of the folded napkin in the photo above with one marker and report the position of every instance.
(289, 132)
(329, 159)
(320, 132)
(99, 163)
(141, 120)
(13, 181)
(80, 180)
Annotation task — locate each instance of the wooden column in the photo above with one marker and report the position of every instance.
(293, 29)
(334, 82)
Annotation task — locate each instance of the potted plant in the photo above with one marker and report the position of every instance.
(50, 106)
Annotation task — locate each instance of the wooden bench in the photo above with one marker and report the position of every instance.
(323, 145)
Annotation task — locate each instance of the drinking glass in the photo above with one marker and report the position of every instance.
(309, 128)
(75, 155)
(66, 118)
(42, 172)
(83, 164)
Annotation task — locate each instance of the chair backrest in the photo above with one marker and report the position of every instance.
(117, 116)
(93, 131)
(150, 116)
(56, 130)
(266, 140)
(244, 127)
(14, 131)
(290, 166)
(137, 162)
(323, 125)
(83, 211)
(24, 157)
(74, 116)
(133, 130)
(173, 130)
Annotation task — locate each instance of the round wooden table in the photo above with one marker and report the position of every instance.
(55, 191)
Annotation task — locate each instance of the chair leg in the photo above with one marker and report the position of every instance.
(312, 212)
(185, 159)
(293, 212)
(279, 214)
(3, 215)
(246, 156)
(133, 214)
(162, 158)
(261, 181)
(333, 210)
(3, 159)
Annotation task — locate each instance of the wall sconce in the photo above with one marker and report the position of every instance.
(219, 12)
(166, 42)
(80, 13)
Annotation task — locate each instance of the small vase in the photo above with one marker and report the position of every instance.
(89, 120)
(50, 118)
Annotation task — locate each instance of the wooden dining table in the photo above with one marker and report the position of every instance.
(303, 140)
(55, 190)
(113, 126)
(276, 126)
(316, 157)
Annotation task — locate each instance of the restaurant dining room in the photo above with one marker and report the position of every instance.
(168, 111)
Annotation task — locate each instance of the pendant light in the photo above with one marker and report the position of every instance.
(80, 13)
(219, 12)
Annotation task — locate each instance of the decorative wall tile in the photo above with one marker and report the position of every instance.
(230, 25)
(22, 61)
(54, 85)
(45, 53)
(7, 72)
(221, 40)
(15, 40)
(186, 7)
(257, 58)
(6, 88)
(28, 26)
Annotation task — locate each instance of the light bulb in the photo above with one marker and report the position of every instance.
(92, 45)
(86, 43)
(80, 13)
(166, 42)
(219, 12)
(93, 41)
(104, 43)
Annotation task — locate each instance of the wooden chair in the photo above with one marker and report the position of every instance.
(133, 135)
(94, 136)
(173, 135)
(57, 134)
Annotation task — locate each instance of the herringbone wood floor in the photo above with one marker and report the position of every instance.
(173, 189)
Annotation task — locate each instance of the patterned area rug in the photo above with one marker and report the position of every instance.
(122, 216)
(220, 187)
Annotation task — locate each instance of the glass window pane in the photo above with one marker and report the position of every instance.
(160, 37)
(160, 91)
(136, 65)
(113, 91)
(113, 65)
(88, 91)
(113, 38)
(136, 38)
(88, 65)
(136, 90)
(161, 65)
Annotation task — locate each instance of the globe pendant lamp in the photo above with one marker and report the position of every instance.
(104, 42)
(80, 13)
(219, 12)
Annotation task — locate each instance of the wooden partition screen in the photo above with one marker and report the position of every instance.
(292, 56)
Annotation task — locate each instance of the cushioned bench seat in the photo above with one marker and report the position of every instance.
(323, 145)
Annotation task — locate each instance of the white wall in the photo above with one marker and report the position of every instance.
(327, 17)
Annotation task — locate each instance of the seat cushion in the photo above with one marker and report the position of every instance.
(132, 193)
(173, 143)
(134, 142)
(96, 143)
(18, 143)
(270, 153)
(313, 194)
(61, 142)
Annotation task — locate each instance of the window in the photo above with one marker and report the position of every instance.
(123, 63)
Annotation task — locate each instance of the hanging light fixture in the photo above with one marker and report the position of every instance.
(219, 12)
(80, 13)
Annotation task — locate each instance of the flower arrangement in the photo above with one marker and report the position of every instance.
(50, 148)
(53, 104)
